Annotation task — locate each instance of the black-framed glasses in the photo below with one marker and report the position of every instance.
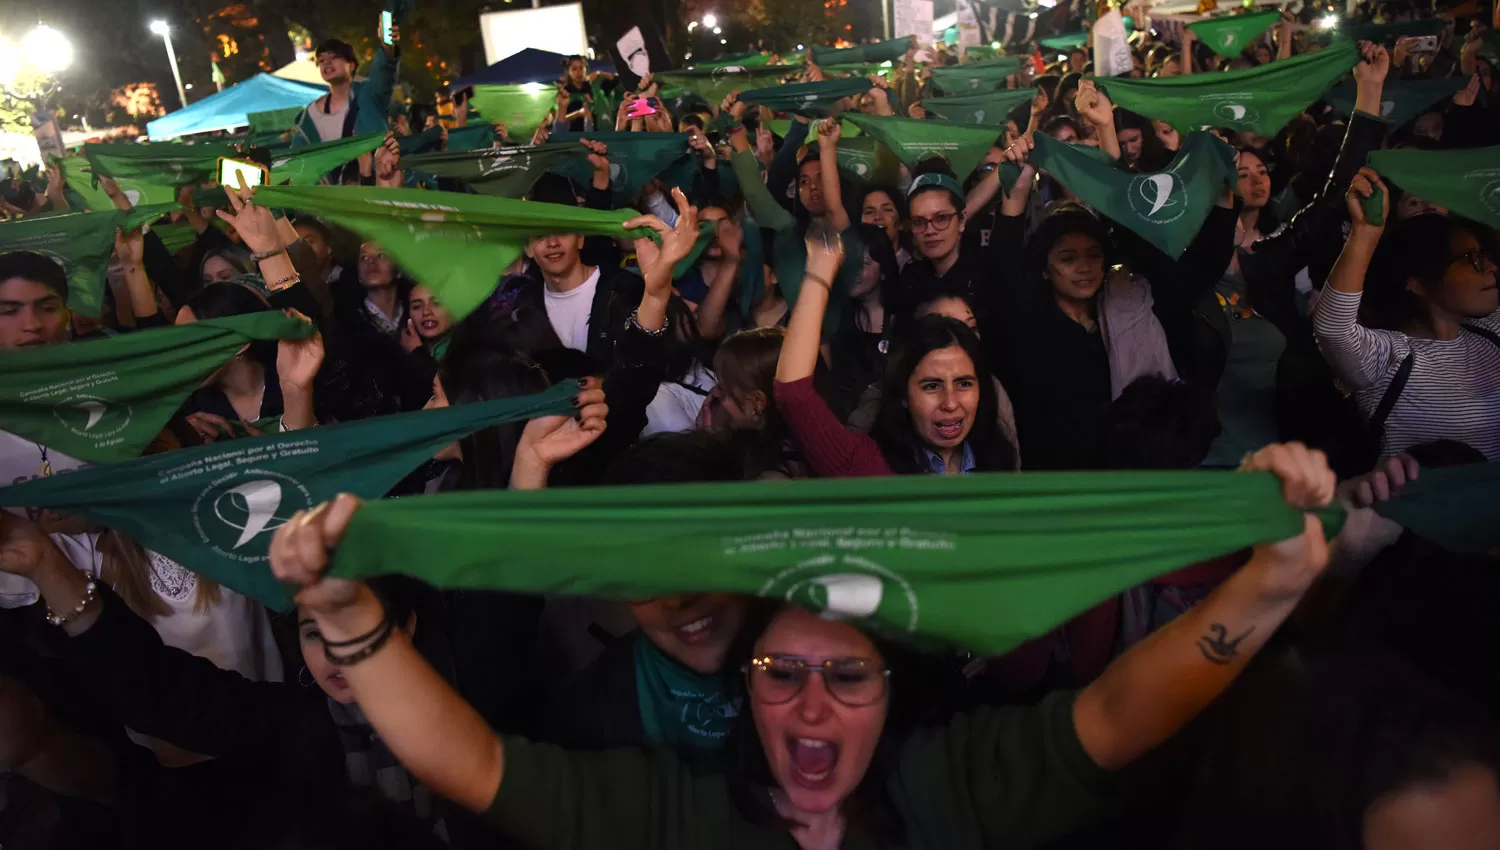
(1474, 258)
(939, 222)
(776, 679)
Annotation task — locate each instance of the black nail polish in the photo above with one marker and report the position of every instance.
(577, 403)
(583, 383)
(578, 416)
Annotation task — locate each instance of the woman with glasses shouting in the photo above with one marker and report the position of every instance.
(834, 751)
(1427, 367)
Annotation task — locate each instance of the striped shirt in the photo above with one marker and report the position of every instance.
(1453, 392)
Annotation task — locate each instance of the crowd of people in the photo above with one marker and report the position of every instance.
(776, 314)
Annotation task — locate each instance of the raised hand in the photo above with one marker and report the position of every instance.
(1093, 105)
(731, 238)
(130, 248)
(298, 360)
(1307, 483)
(1375, 64)
(388, 163)
(255, 224)
(829, 132)
(677, 242)
(299, 555)
(550, 440)
(1362, 187)
(1468, 94)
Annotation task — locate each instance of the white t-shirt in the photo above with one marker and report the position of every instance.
(330, 125)
(21, 460)
(676, 405)
(569, 312)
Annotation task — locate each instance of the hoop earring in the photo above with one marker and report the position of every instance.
(310, 680)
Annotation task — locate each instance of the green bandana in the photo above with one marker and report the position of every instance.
(149, 174)
(976, 77)
(1261, 100)
(984, 108)
(507, 172)
(885, 51)
(779, 128)
(307, 166)
(813, 100)
(680, 708)
(82, 242)
(1389, 33)
(79, 188)
(274, 120)
(475, 136)
(1465, 182)
(911, 140)
(635, 159)
(1229, 35)
(427, 141)
(1400, 100)
(1064, 43)
(106, 400)
(1453, 507)
(1166, 208)
(454, 243)
(521, 108)
(869, 161)
(715, 84)
(983, 561)
(213, 508)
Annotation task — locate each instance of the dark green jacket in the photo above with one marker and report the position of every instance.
(1009, 777)
(369, 103)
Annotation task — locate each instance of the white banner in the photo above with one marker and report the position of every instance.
(968, 24)
(1111, 46)
(914, 17)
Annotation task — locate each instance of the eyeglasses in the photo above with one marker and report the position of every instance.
(776, 679)
(1475, 258)
(939, 222)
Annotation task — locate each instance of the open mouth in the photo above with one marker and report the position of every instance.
(949, 429)
(697, 631)
(813, 761)
(428, 324)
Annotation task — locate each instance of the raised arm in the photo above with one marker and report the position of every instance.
(1096, 109)
(758, 199)
(731, 238)
(1359, 356)
(804, 331)
(984, 191)
(440, 738)
(130, 250)
(1284, 36)
(829, 133)
(1153, 690)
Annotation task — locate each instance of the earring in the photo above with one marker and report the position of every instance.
(308, 673)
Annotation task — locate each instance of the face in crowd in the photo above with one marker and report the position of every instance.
(31, 313)
(693, 629)
(557, 254)
(936, 223)
(880, 210)
(819, 723)
(375, 267)
(810, 188)
(431, 318)
(1254, 181)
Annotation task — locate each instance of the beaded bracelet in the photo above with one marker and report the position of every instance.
(635, 322)
(60, 619)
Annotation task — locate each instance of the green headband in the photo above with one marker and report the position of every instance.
(941, 181)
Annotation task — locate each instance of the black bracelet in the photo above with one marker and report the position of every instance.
(384, 618)
(358, 655)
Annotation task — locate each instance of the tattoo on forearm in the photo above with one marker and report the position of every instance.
(1217, 647)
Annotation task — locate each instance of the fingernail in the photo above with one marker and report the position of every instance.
(583, 383)
(577, 403)
(578, 416)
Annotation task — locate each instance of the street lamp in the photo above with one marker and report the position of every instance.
(47, 50)
(710, 21)
(162, 29)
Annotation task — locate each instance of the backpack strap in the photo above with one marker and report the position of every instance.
(1392, 392)
(1488, 334)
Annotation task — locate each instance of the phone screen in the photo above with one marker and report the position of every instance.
(385, 26)
(231, 169)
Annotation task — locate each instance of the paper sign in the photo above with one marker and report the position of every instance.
(914, 17)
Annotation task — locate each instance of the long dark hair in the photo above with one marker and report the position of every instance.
(893, 430)
(1414, 248)
(479, 373)
(1063, 220)
(920, 691)
(878, 246)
